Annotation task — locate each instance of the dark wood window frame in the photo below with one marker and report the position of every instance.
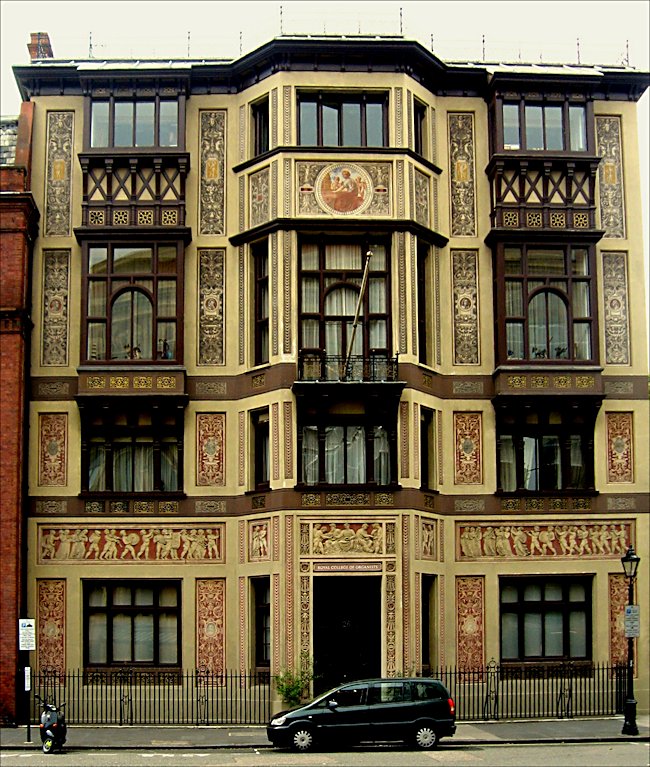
(335, 100)
(261, 593)
(158, 121)
(544, 104)
(260, 258)
(260, 122)
(110, 610)
(107, 426)
(420, 112)
(260, 426)
(546, 439)
(543, 607)
(149, 283)
(574, 284)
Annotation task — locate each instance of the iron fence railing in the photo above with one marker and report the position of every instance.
(328, 367)
(133, 697)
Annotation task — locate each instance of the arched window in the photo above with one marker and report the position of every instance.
(548, 332)
(131, 326)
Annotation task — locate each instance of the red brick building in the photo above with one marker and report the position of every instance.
(18, 230)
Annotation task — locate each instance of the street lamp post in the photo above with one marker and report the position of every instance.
(630, 564)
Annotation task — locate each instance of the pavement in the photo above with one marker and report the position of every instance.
(591, 730)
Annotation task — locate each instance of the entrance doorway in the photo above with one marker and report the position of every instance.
(347, 629)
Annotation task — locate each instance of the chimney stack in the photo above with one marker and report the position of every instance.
(39, 46)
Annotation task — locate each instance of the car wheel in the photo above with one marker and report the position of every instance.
(425, 736)
(48, 745)
(302, 739)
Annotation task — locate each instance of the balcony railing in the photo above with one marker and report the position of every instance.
(323, 367)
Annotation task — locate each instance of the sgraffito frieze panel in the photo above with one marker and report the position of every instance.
(468, 468)
(610, 176)
(210, 449)
(211, 305)
(56, 294)
(620, 454)
(421, 196)
(213, 178)
(51, 624)
(462, 175)
(260, 191)
(391, 626)
(465, 292)
(289, 591)
(406, 593)
(352, 538)
(470, 622)
(559, 539)
(287, 283)
(53, 450)
(617, 329)
(58, 184)
(343, 189)
(76, 543)
(210, 624)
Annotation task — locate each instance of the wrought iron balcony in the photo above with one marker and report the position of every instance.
(376, 368)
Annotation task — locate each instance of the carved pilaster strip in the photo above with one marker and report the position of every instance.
(462, 175)
(286, 115)
(212, 169)
(210, 622)
(406, 594)
(275, 284)
(404, 424)
(289, 588)
(401, 265)
(286, 277)
(610, 175)
(470, 622)
(56, 295)
(211, 305)
(617, 328)
(391, 626)
(51, 624)
(466, 319)
(58, 185)
(288, 440)
(242, 447)
(277, 626)
(274, 119)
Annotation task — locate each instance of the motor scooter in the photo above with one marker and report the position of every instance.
(53, 727)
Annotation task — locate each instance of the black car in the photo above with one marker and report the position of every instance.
(419, 711)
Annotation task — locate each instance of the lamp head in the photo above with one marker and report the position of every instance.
(630, 562)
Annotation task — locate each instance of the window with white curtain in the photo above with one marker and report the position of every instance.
(331, 278)
(545, 618)
(546, 304)
(136, 623)
(346, 454)
(544, 449)
(132, 306)
(131, 450)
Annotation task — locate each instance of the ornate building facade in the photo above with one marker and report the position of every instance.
(339, 353)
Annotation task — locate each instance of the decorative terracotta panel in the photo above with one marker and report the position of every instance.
(210, 449)
(610, 175)
(462, 175)
(465, 291)
(617, 328)
(210, 624)
(428, 534)
(421, 194)
(211, 306)
(58, 185)
(56, 294)
(51, 624)
(620, 458)
(53, 449)
(406, 594)
(470, 625)
(287, 307)
(559, 539)
(288, 439)
(258, 540)
(468, 461)
(391, 625)
(289, 588)
(212, 179)
(133, 544)
(405, 436)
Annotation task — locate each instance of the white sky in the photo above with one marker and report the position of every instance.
(599, 31)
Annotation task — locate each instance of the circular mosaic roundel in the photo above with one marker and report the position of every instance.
(343, 189)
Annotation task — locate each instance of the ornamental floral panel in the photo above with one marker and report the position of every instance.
(56, 292)
(210, 449)
(343, 189)
(51, 624)
(617, 329)
(610, 175)
(132, 544)
(470, 622)
(468, 461)
(210, 625)
(58, 184)
(259, 197)
(462, 175)
(52, 452)
(465, 291)
(537, 541)
(618, 596)
(212, 180)
(620, 458)
(211, 305)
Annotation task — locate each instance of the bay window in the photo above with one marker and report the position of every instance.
(553, 127)
(342, 119)
(121, 123)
